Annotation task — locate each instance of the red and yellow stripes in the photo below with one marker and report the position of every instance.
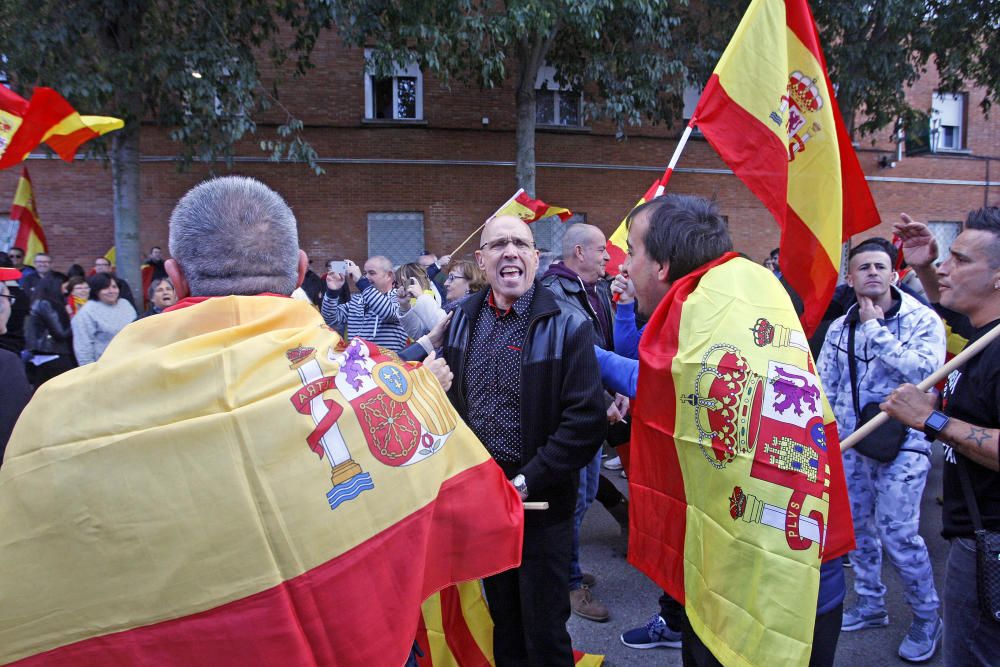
(198, 527)
(770, 112)
(47, 118)
(30, 235)
(738, 491)
(617, 245)
(456, 630)
(530, 210)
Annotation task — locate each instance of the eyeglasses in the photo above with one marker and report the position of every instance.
(454, 276)
(498, 246)
(9, 298)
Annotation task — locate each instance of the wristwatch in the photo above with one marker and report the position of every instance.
(520, 485)
(934, 424)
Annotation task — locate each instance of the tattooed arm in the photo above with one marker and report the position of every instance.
(978, 444)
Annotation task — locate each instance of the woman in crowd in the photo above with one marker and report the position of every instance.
(77, 293)
(161, 295)
(418, 301)
(47, 332)
(100, 318)
(464, 278)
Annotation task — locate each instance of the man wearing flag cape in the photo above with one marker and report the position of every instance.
(239, 485)
(736, 479)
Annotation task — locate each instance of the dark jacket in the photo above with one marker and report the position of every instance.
(14, 394)
(569, 290)
(563, 421)
(45, 332)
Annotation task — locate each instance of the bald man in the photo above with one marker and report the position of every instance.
(527, 382)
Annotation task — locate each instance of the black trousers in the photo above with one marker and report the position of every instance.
(695, 654)
(530, 605)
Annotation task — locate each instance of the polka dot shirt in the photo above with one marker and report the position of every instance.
(492, 382)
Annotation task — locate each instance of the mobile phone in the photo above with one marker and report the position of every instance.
(337, 267)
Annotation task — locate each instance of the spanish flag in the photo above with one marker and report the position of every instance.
(46, 118)
(252, 491)
(769, 111)
(617, 245)
(530, 210)
(737, 488)
(456, 630)
(30, 235)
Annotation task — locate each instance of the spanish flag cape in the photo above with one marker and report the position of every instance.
(737, 486)
(241, 487)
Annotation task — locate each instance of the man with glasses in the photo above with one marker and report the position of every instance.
(43, 265)
(17, 258)
(527, 383)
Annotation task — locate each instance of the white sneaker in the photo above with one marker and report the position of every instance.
(613, 464)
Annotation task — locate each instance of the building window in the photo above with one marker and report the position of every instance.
(399, 97)
(948, 122)
(944, 232)
(398, 236)
(556, 104)
(548, 233)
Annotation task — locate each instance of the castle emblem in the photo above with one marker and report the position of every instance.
(776, 422)
(403, 415)
(801, 100)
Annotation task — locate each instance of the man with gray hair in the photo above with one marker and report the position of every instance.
(266, 476)
(373, 312)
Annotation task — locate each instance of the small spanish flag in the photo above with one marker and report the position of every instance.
(29, 231)
(46, 118)
(530, 210)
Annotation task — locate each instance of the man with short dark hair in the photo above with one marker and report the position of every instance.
(16, 255)
(373, 312)
(527, 383)
(965, 290)
(895, 339)
(677, 245)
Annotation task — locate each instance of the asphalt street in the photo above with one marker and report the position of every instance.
(632, 597)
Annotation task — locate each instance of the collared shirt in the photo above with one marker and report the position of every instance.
(493, 376)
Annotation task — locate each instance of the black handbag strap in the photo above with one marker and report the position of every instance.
(970, 497)
(854, 373)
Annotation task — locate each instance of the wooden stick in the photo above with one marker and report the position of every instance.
(933, 379)
(543, 505)
(477, 230)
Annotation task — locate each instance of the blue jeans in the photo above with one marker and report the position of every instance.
(971, 639)
(589, 476)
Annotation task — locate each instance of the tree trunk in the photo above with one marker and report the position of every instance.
(125, 180)
(525, 170)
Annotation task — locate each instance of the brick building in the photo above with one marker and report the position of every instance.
(412, 164)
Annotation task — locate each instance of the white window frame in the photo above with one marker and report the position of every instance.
(546, 80)
(411, 70)
(948, 110)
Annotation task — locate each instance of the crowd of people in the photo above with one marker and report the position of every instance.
(543, 363)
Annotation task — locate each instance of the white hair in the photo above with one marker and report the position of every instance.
(235, 235)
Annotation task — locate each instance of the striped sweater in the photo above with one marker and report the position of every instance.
(369, 315)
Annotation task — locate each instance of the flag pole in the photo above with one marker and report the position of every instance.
(676, 156)
(476, 231)
(935, 377)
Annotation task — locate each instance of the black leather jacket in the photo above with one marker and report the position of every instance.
(572, 293)
(563, 421)
(44, 332)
